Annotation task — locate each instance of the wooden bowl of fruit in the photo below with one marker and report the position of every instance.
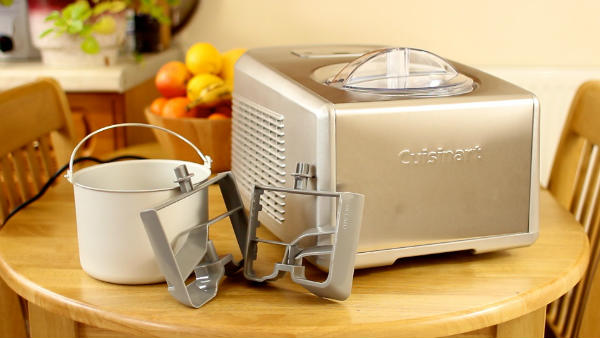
(196, 103)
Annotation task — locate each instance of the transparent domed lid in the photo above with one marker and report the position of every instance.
(402, 71)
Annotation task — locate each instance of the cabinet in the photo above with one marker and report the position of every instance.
(94, 110)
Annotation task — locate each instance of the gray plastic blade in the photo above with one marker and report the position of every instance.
(341, 251)
(197, 254)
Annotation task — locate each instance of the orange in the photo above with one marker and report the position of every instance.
(178, 107)
(157, 105)
(171, 79)
(203, 57)
(218, 116)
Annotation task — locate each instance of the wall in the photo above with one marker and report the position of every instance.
(546, 46)
(481, 32)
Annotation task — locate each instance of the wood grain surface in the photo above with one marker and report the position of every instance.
(429, 296)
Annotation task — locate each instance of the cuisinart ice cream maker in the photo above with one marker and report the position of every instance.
(446, 155)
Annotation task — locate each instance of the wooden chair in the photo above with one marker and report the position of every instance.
(575, 183)
(36, 135)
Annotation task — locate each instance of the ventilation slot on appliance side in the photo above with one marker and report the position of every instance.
(258, 153)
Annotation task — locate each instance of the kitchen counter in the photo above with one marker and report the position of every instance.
(125, 75)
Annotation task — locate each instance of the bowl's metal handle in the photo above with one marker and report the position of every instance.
(205, 158)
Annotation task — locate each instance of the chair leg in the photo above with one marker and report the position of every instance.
(12, 323)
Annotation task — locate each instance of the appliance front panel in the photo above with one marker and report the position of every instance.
(437, 172)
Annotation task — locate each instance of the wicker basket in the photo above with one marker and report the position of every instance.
(212, 137)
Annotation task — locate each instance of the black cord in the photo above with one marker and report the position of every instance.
(58, 174)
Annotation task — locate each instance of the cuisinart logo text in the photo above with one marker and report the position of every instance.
(440, 155)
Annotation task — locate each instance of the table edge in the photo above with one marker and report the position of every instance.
(436, 325)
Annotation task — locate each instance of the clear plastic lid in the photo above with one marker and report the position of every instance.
(402, 71)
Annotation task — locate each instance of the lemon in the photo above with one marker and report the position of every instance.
(203, 57)
(230, 57)
(207, 90)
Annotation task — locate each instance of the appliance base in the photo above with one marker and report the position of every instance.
(386, 257)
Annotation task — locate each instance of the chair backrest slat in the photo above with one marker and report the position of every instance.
(584, 175)
(566, 172)
(34, 164)
(22, 176)
(8, 176)
(48, 160)
(26, 172)
(591, 205)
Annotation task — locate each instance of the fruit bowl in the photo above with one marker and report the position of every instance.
(195, 102)
(211, 136)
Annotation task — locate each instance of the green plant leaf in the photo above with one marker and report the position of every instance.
(86, 31)
(75, 27)
(90, 45)
(145, 6)
(46, 32)
(159, 14)
(54, 15)
(105, 25)
(79, 9)
(6, 2)
(66, 12)
(86, 14)
(60, 23)
(152, 8)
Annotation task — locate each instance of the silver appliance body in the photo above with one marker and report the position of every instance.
(439, 174)
(15, 40)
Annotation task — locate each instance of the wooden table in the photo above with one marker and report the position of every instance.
(501, 294)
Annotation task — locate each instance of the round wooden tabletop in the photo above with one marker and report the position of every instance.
(424, 296)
